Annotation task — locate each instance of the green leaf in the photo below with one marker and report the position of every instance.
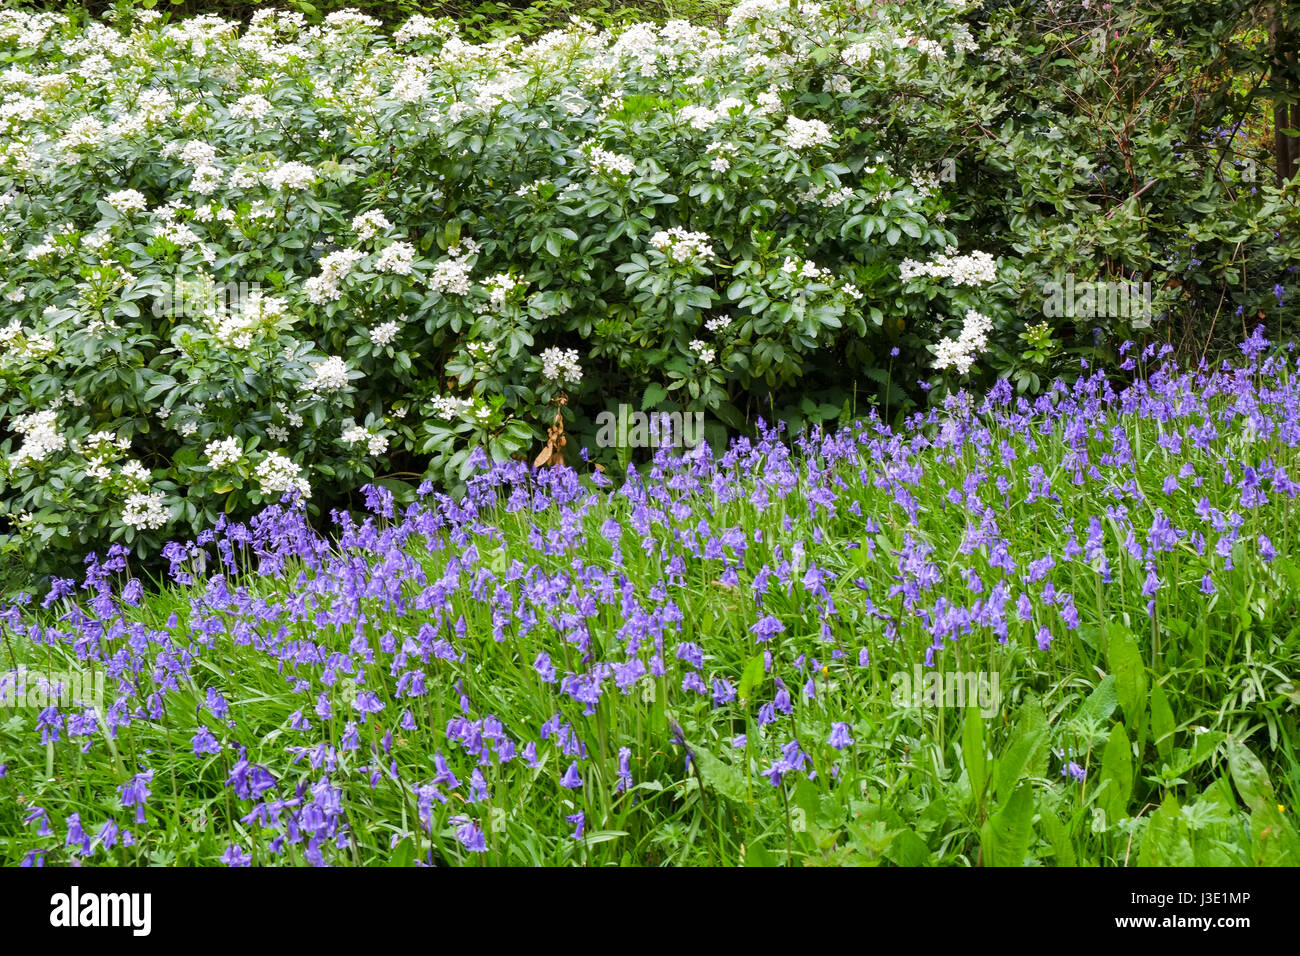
(756, 855)
(1249, 775)
(1116, 781)
(751, 677)
(403, 854)
(1125, 662)
(1166, 841)
(1101, 703)
(654, 394)
(1025, 754)
(1059, 837)
(718, 775)
(1163, 724)
(1006, 837)
(908, 849)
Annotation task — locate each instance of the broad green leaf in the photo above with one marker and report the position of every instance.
(751, 678)
(719, 776)
(1008, 834)
(1163, 724)
(908, 849)
(1101, 703)
(1025, 754)
(1125, 662)
(1249, 775)
(1116, 780)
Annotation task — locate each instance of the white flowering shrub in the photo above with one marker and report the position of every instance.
(437, 244)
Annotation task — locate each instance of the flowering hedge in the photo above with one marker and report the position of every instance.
(249, 260)
(435, 245)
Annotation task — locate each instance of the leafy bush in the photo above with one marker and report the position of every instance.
(439, 250)
(422, 233)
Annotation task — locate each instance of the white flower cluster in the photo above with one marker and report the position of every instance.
(859, 54)
(369, 224)
(201, 158)
(100, 448)
(679, 245)
(801, 134)
(127, 201)
(718, 323)
(603, 161)
(236, 328)
(85, 134)
(396, 258)
(824, 195)
(451, 275)
(18, 343)
(177, 233)
(223, 453)
(292, 175)
(446, 406)
(61, 241)
(41, 437)
(924, 45)
(804, 269)
(772, 10)
(292, 417)
(925, 182)
(703, 117)
(277, 474)
(384, 334)
(421, 26)
(334, 269)
(722, 154)
(960, 353)
(411, 85)
(134, 473)
(962, 39)
(254, 106)
(331, 375)
(500, 286)
(531, 189)
(145, 511)
(561, 365)
(973, 270)
(375, 444)
(701, 348)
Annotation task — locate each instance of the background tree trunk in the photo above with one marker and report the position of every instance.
(1286, 115)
